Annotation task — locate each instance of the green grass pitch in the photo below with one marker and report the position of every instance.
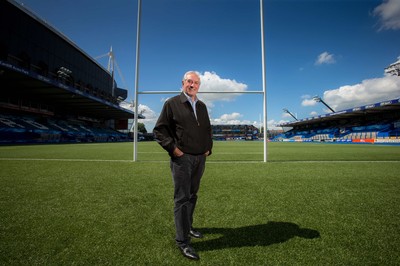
(310, 204)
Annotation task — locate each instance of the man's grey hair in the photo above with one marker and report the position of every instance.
(191, 72)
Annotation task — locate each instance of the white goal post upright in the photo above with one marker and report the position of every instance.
(263, 92)
(135, 121)
(264, 83)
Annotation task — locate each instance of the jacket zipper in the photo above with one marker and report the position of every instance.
(195, 117)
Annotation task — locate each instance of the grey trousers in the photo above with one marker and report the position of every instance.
(187, 171)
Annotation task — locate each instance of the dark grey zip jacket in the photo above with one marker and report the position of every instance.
(177, 126)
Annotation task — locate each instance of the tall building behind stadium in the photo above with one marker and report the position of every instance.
(52, 90)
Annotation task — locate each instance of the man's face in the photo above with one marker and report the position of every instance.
(191, 85)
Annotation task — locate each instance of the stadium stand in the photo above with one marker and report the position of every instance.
(235, 132)
(16, 129)
(373, 123)
(51, 90)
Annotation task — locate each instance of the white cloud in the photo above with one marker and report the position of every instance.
(367, 92)
(325, 58)
(147, 112)
(231, 116)
(230, 119)
(127, 105)
(308, 102)
(313, 113)
(389, 14)
(142, 109)
(273, 124)
(210, 81)
(150, 116)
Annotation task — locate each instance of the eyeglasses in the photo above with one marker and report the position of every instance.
(191, 82)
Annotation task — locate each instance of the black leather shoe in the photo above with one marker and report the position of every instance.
(189, 252)
(195, 234)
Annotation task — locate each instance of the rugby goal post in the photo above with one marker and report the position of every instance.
(137, 92)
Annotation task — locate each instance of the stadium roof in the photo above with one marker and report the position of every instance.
(25, 84)
(383, 107)
(51, 27)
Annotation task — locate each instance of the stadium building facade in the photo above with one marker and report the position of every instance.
(235, 132)
(51, 90)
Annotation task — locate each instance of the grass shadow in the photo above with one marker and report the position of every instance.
(254, 235)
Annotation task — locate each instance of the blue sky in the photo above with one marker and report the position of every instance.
(336, 49)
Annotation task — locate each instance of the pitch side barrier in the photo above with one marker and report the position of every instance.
(393, 141)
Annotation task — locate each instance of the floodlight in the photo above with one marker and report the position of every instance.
(319, 100)
(287, 111)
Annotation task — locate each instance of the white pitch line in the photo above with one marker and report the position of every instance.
(334, 162)
(63, 160)
(167, 161)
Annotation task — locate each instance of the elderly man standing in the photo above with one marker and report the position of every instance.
(184, 131)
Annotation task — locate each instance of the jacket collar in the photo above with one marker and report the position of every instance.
(184, 97)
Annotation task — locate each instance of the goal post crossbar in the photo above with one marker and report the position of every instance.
(218, 92)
